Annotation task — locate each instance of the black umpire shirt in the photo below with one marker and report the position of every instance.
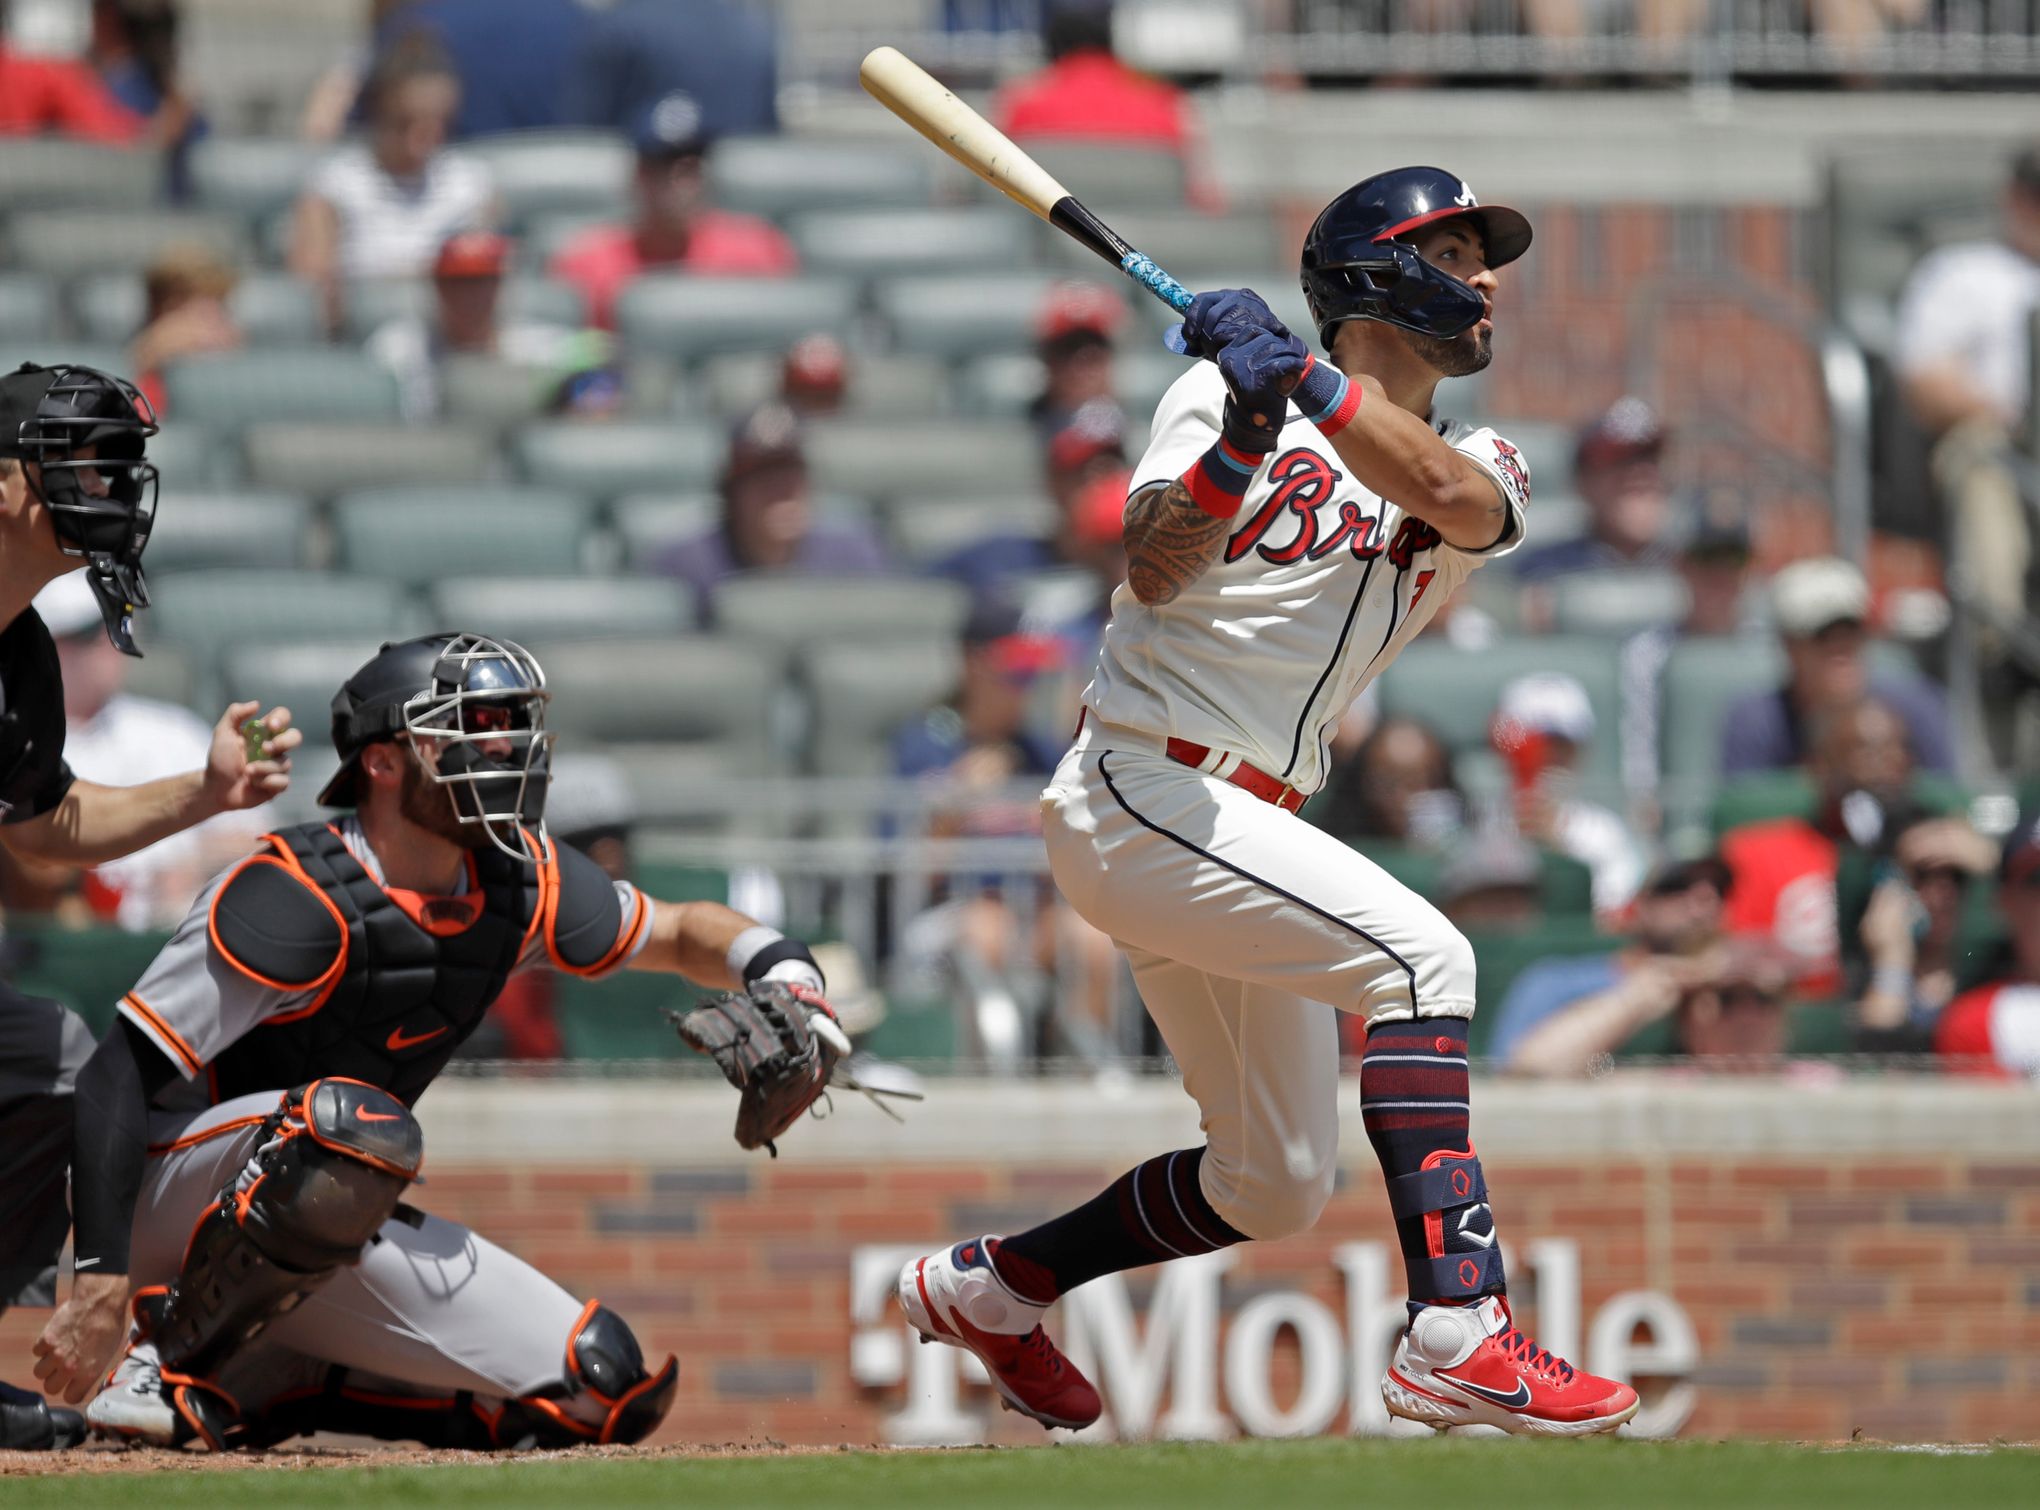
(33, 773)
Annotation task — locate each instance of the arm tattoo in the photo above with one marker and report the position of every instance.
(1169, 542)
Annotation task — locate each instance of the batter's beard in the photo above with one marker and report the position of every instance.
(429, 805)
(1455, 356)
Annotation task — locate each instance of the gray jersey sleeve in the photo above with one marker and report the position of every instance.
(192, 1003)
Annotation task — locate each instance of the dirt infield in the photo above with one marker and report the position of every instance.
(106, 1457)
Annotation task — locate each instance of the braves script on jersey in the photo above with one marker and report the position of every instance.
(1321, 583)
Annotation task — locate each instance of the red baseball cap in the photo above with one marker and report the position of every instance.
(1098, 428)
(1071, 308)
(1099, 517)
(472, 254)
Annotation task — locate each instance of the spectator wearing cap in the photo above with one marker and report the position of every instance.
(384, 207)
(184, 314)
(676, 229)
(1618, 468)
(1822, 611)
(1544, 728)
(1087, 450)
(814, 377)
(1606, 998)
(1911, 931)
(768, 516)
(465, 321)
(60, 97)
(640, 51)
(1962, 350)
(978, 738)
(1086, 94)
(1995, 1028)
(1075, 338)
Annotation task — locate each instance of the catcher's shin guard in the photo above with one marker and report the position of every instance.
(607, 1395)
(332, 1161)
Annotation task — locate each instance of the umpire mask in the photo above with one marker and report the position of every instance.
(473, 711)
(101, 508)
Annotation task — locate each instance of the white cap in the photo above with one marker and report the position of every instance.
(67, 606)
(1549, 702)
(1808, 596)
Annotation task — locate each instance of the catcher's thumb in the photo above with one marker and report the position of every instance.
(830, 1032)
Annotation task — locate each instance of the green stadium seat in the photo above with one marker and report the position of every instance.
(28, 308)
(568, 172)
(272, 309)
(373, 303)
(1500, 956)
(254, 178)
(1119, 174)
(882, 385)
(301, 677)
(529, 609)
(862, 692)
(1187, 243)
(868, 243)
(51, 172)
(620, 1018)
(895, 459)
(782, 176)
(954, 316)
(74, 243)
(914, 1032)
(1703, 677)
(416, 535)
(651, 523)
(212, 528)
(793, 612)
(1564, 885)
(621, 456)
(1547, 450)
(211, 612)
(675, 689)
(689, 318)
(1455, 691)
(1144, 376)
(1617, 603)
(325, 459)
(491, 394)
(1001, 384)
(926, 530)
(280, 383)
(191, 457)
(673, 783)
(88, 970)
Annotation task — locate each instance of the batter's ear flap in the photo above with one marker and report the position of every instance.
(273, 924)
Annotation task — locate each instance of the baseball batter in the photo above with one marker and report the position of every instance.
(244, 1131)
(1294, 523)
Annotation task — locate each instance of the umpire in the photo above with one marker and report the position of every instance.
(76, 493)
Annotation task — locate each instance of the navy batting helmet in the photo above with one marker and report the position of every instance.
(1355, 269)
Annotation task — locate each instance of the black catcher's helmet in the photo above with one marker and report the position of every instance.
(473, 711)
(46, 415)
(1355, 269)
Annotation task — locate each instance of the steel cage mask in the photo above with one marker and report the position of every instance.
(479, 732)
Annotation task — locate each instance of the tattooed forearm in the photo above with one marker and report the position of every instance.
(1169, 542)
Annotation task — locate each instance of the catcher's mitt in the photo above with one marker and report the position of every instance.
(776, 1043)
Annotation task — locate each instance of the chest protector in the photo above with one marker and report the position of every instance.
(392, 997)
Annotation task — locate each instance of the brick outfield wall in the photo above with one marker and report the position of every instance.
(1900, 1299)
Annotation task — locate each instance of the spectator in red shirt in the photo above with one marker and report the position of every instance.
(1995, 1028)
(60, 96)
(1086, 94)
(676, 230)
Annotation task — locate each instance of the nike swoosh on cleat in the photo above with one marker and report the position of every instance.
(1516, 1399)
(398, 1041)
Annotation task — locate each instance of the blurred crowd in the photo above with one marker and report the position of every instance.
(1843, 892)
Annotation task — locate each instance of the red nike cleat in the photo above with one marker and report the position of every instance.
(954, 1295)
(1458, 1365)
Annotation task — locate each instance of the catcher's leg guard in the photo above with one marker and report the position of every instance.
(607, 1395)
(332, 1162)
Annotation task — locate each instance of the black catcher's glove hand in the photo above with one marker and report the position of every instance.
(777, 1044)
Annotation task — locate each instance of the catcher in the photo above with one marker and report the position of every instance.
(245, 1128)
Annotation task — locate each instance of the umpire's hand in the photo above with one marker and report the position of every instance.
(236, 776)
(80, 1342)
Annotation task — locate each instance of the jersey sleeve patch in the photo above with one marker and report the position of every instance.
(275, 928)
(588, 921)
(1505, 466)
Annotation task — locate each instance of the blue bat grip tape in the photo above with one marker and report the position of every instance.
(1143, 271)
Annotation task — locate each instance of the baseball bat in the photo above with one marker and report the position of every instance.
(911, 93)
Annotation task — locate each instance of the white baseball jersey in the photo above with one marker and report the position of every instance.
(1319, 586)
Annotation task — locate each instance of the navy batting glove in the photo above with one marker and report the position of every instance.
(1215, 320)
(1259, 372)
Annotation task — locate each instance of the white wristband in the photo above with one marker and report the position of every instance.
(744, 948)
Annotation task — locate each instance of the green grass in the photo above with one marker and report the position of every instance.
(1408, 1475)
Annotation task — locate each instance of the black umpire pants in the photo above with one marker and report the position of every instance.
(42, 1046)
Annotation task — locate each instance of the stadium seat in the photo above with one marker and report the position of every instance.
(866, 243)
(419, 535)
(557, 172)
(623, 456)
(301, 677)
(782, 176)
(373, 303)
(953, 316)
(861, 693)
(793, 611)
(279, 383)
(254, 178)
(324, 459)
(1617, 602)
(1702, 678)
(690, 318)
(1455, 691)
(617, 1020)
(1547, 450)
(1120, 174)
(168, 673)
(649, 523)
(1001, 384)
(493, 394)
(545, 236)
(190, 456)
(1144, 376)
(927, 530)
(51, 172)
(964, 458)
(1501, 955)
(537, 609)
(668, 781)
(700, 689)
(881, 385)
(28, 308)
(73, 243)
(209, 528)
(212, 612)
(88, 970)
(1187, 243)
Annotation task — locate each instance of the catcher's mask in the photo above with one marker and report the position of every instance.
(101, 509)
(1355, 268)
(473, 711)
